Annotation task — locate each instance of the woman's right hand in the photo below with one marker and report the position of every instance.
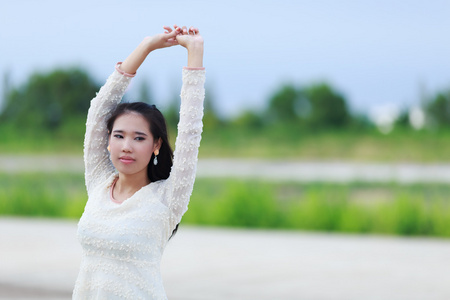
(150, 43)
(163, 40)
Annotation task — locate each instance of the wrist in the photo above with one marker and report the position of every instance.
(195, 54)
(148, 44)
(195, 47)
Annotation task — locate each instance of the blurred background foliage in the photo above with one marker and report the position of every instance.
(47, 114)
(50, 100)
(376, 208)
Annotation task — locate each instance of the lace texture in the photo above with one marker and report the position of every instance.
(123, 243)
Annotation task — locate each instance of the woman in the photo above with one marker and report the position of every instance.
(136, 197)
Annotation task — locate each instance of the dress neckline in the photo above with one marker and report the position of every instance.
(111, 196)
(111, 189)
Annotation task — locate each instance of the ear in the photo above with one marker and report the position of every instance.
(157, 145)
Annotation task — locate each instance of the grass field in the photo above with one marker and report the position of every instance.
(420, 209)
(280, 142)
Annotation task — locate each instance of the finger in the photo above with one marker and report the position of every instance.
(194, 30)
(169, 30)
(191, 30)
(184, 30)
(177, 28)
(172, 34)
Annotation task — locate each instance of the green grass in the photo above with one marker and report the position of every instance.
(370, 145)
(419, 209)
(68, 139)
(356, 207)
(42, 195)
(276, 142)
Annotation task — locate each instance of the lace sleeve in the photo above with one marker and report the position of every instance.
(96, 159)
(181, 180)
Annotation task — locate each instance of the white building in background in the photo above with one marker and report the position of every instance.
(384, 116)
(417, 117)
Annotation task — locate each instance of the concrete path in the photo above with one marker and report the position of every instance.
(302, 171)
(39, 259)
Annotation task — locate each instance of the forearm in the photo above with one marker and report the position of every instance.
(97, 163)
(187, 143)
(158, 41)
(136, 58)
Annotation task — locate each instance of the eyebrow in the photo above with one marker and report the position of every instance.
(136, 132)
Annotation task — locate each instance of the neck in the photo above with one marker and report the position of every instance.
(131, 183)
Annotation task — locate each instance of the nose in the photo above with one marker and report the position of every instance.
(126, 146)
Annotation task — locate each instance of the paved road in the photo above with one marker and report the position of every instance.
(303, 171)
(39, 259)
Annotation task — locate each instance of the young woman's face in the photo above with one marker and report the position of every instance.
(132, 144)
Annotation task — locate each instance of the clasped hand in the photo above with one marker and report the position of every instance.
(188, 38)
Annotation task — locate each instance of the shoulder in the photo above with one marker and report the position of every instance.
(160, 184)
(102, 186)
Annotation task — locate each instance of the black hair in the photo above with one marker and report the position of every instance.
(158, 129)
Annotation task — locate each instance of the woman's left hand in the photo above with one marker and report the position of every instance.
(192, 41)
(189, 38)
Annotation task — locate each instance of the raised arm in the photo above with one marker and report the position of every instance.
(97, 164)
(149, 44)
(182, 177)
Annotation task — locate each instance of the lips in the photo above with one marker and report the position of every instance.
(126, 159)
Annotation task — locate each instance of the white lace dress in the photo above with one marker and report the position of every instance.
(123, 243)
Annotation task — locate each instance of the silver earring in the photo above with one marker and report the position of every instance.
(155, 160)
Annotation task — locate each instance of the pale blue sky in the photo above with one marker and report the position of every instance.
(374, 52)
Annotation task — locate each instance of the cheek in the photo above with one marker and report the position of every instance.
(147, 151)
(144, 149)
(113, 145)
(117, 146)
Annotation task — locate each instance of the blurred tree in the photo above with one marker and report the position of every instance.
(317, 106)
(282, 104)
(171, 113)
(145, 93)
(438, 110)
(328, 107)
(248, 119)
(47, 100)
(403, 119)
(6, 88)
(211, 119)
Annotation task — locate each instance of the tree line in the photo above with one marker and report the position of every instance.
(47, 100)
